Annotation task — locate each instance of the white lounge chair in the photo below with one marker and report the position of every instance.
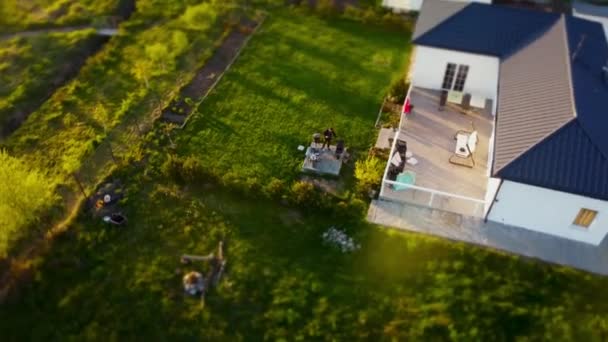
(466, 142)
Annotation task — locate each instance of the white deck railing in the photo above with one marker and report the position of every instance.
(432, 198)
(407, 97)
(425, 196)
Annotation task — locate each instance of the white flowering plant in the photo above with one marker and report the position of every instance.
(339, 238)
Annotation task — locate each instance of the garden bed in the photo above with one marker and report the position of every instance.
(180, 108)
(31, 80)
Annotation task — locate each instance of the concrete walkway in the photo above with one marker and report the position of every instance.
(507, 238)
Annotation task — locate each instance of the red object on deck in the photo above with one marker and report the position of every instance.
(407, 107)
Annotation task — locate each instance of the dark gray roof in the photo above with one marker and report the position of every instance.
(433, 12)
(551, 121)
(488, 29)
(535, 95)
(567, 161)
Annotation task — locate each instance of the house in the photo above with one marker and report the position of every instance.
(415, 5)
(532, 87)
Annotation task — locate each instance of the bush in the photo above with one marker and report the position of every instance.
(370, 16)
(379, 153)
(393, 20)
(326, 8)
(398, 90)
(251, 186)
(303, 194)
(368, 173)
(349, 210)
(352, 12)
(275, 188)
(231, 180)
(189, 170)
(25, 194)
(171, 166)
(200, 17)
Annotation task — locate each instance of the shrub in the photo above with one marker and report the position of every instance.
(171, 167)
(302, 7)
(191, 170)
(368, 173)
(379, 153)
(275, 188)
(352, 210)
(352, 12)
(200, 17)
(25, 194)
(303, 194)
(231, 180)
(251, 186)
(398, 90)
(369, 16)
(393, 20)
(326, 8)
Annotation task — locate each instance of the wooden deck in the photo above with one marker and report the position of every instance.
(429, 134)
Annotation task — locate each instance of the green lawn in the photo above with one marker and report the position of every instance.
(31, 67)
(282, 282)
(299, 75)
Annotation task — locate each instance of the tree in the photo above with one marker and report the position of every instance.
(368, 173)
(200, 17)
(24, 195)
(179, 42)
(157, 53)
(141, 71)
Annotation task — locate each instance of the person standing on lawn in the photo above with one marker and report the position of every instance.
(329, 134)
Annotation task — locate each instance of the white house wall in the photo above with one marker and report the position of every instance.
(548, 211)
(403, 5)
(482, 79)
(415, 5)
(491, 189)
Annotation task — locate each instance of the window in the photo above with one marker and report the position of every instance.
(461, 77)
(448, 77)
(585, 217)
(453, 80)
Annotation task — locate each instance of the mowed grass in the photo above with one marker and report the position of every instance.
(282, 282)
(298, 75)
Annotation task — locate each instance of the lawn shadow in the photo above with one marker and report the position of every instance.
(334, 94)
(212, 122)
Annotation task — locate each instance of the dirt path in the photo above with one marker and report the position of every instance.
(32, 33)
(207, 77)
